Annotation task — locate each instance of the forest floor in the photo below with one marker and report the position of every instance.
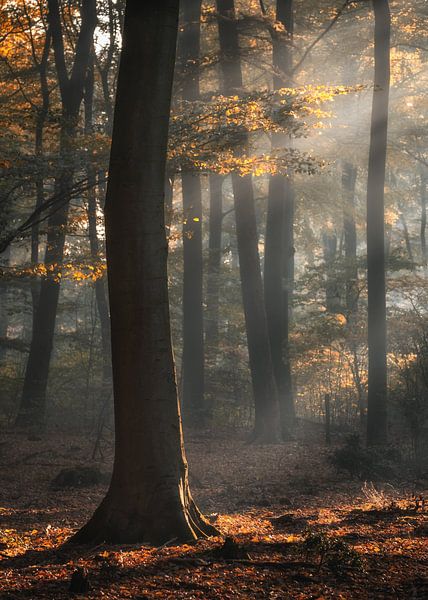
(299, 529)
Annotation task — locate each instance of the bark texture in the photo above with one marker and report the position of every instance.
(424, 255)
(349, 179)
(262, 375)
(332, 292)
(100, 289)
(279, 250)
(377, 368)
(214, 263)
(193, 320)
(149, 498)
(4, 262)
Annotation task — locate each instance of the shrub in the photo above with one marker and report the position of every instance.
(364, 463)
(332, 552)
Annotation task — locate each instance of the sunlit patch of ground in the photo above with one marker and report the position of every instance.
(266, 498)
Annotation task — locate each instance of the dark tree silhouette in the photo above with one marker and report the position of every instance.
(193, 324)
(149, 498)
(349, 179)
(424, 180)
(377, 370)
(263, 382)
(279, 239)
(214, 262)
(100, 288)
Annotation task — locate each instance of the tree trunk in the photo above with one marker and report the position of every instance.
(406, 235)
(193, 333)
(33, 401)
(423, 218)
(332, 294)
(42, 113)
(377, 367)
(4, 262)
(279, 244)
(149, 498)
(214, 263)
(193, 320)
(262, 375)
(349, 179)
(100, 292)
(169, 197)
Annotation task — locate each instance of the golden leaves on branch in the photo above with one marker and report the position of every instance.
(205, 135)
(273, 163)
(73, 271)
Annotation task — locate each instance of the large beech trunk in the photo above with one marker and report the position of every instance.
(262, 375)
(193, 321)
(149, 498)
(33, 401)
(377, 369)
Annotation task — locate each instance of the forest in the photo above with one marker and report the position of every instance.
(213, 299)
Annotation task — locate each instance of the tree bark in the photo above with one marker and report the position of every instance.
(149, 498)
(4, 262)
(279, 243)
(42, 114)
(377, 366)
(193, 319)
(214, 263)
(406, 235)
(262, 375)
(33, 401)
(349, 179)
(332, 294)
(423, 219)
(100, 292)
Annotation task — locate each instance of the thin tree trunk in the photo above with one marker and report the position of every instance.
(332, 295)
(377, 367)
(149, 498)
(193, 320)
(105, 68)
(262, 375)
(406, 235)
(349, 179)
(423, 218)
(100, 292)
(42, 114)
(287, 407)
(214, 263)
(279, 243)
(4, 320)
(193, 332)
(33, 401)
(362, 400)
(169, 197)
